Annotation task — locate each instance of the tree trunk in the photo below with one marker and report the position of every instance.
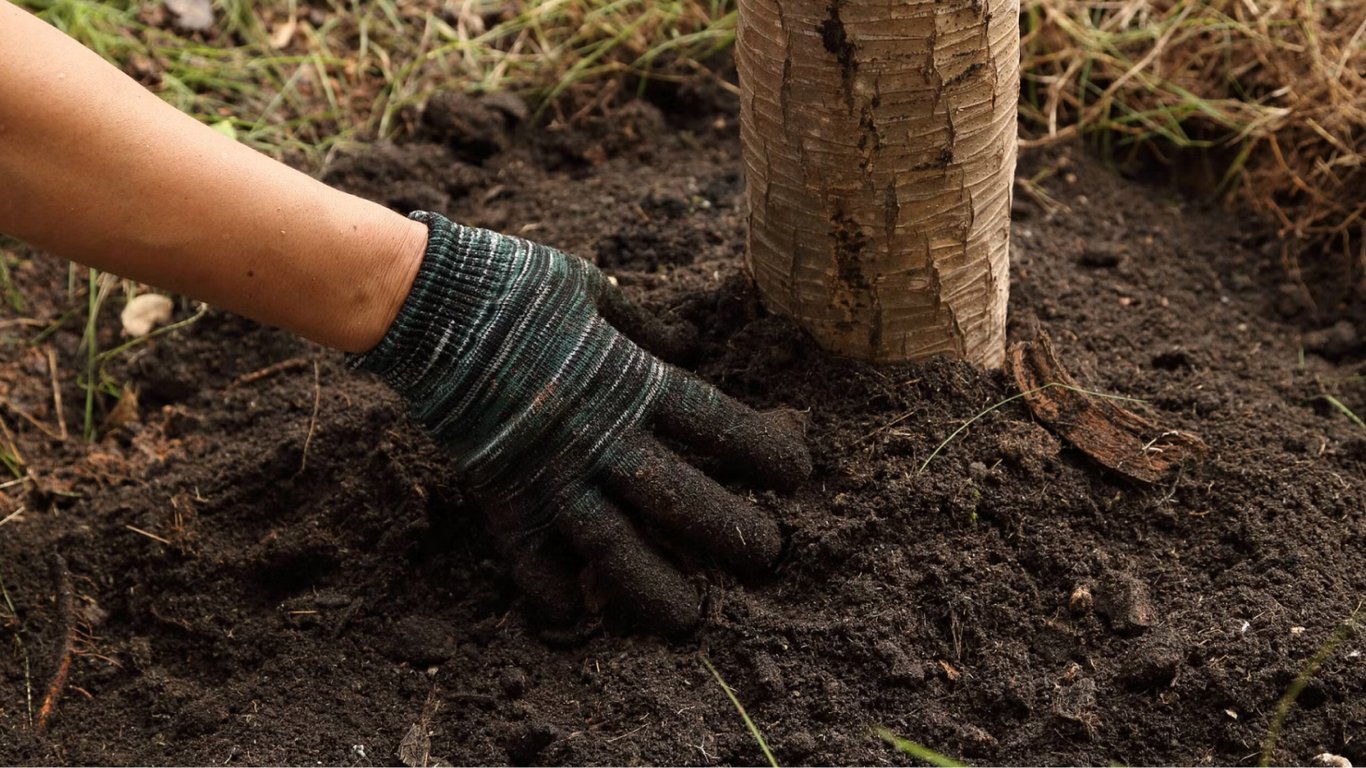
(879, 140)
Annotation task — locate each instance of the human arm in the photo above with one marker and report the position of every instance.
(96, 169)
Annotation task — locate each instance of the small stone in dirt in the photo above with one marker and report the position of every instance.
(976, 742)
(1081, 601)
(1102, 255)
(768, 676)
(1330, 760)
(91, 614)
(526, 747)
(978, 471)
(191, 15)
(1155, 664)
(144, 312)
(900, 668)
(512, 682)
(1125, 602)
(421, 641)
(1335, 342)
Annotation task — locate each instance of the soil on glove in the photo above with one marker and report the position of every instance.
(268, 564)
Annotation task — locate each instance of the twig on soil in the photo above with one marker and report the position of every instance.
(313, 420)
(56, 393)
(12, 516)
(1051, 206)
(22, 322)
(888, 425)
(753, 729)
(269, 370)
(148, 534)
(66, 618)
(1287, 700)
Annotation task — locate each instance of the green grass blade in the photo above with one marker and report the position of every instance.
(753, 729)
(918, 751)
(1338, 404)
(1287, 700)
(1010, 399)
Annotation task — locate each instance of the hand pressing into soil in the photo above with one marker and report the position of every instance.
(510, 353)
(522, 361)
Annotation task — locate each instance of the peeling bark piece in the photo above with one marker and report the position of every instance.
(1124, 600)
(1076, 702)
(1117, 438)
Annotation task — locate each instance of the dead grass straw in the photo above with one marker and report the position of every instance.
(1273, 91)
(1270, 94)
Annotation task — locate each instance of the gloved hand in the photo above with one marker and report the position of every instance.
(515, 357)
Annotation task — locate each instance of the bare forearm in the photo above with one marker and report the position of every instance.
(96, 169)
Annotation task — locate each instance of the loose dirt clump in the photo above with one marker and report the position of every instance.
(1014, 602)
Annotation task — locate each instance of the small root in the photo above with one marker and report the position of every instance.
(269, 370)
(67, 619)
(313, 420)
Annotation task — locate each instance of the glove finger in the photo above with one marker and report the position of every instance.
(631, 571)
(673, 342)
(542, 565)
(769, 446)
(684, 502)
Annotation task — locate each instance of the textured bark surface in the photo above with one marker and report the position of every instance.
(879, 140)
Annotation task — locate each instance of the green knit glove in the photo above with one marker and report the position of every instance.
(515, 357)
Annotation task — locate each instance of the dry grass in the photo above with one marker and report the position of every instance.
(297, 78)
(1270, 93)
(1275, 90)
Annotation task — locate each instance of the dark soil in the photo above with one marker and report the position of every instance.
(253, 585)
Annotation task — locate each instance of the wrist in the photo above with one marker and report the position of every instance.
(456, 297)
(397, 253)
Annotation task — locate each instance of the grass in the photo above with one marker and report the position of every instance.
(919, 751)
(1000, 403)
(10, 292)
(236, 78)
(1269, 99)
(12, 617)
(1343, 409)
(1269, 94)
(1287, 700)
(749, 723)
(90, 343)
(297, 82)
(10, 460)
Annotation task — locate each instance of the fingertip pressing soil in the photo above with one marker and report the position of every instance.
(269, 570)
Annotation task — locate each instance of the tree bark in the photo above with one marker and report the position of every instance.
(879, 140)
